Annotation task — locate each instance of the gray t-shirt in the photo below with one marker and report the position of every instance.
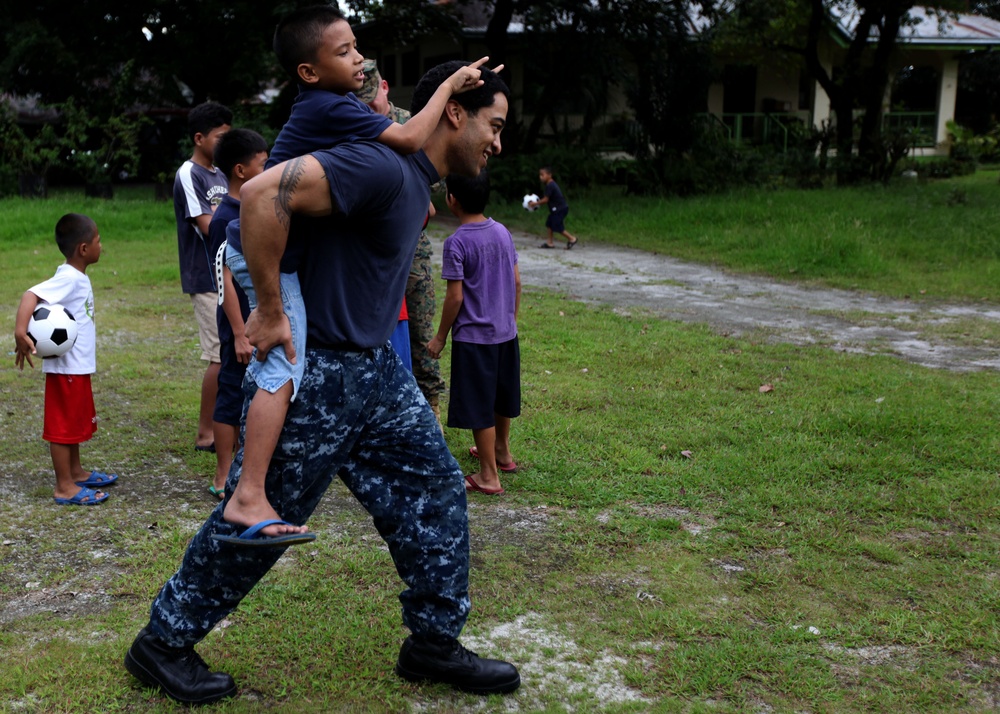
(197, 191)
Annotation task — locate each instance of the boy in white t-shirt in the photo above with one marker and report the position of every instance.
(70, 416)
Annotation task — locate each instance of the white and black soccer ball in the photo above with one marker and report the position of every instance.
(53, 329)
(528, 199)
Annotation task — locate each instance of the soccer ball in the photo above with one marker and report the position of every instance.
(527, 198)
(53, 330)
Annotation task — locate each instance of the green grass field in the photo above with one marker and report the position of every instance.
(676, 539)
(933, 239)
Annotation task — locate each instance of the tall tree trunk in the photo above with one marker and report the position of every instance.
(496, 34)
(870, 144)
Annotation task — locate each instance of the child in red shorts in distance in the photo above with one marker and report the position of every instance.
(70, 416)
(480, 310)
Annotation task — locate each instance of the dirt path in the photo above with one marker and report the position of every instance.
(736, 305)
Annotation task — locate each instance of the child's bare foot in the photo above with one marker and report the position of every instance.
(247, 510)
(505, 461)
(481, 484)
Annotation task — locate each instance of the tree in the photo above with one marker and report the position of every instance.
(574, 51)
(177, 53)
(184, 51)
(798, 28)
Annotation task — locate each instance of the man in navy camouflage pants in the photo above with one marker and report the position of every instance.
(359, 414)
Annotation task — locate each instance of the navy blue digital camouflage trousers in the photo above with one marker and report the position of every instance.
(360, 416)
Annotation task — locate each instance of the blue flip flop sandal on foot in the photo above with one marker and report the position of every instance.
(84, 497)
(251, 538)
(98, 478)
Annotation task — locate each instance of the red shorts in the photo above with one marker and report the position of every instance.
(70, 416)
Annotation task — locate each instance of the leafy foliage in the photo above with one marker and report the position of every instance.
(513, 176)
(105, 145)
(33, 149)
(796, 29)
(184, 51)
(968, 146)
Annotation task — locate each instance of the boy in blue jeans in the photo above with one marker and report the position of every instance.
(239, 155)
(316, 47)
(480, 310)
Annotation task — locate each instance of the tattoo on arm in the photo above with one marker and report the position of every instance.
(290, 177)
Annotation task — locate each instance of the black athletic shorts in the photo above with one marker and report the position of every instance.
(485, 380)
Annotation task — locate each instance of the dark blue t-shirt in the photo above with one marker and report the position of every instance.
(228, 210)
(556, 199)
(356, 262)
(321, 120)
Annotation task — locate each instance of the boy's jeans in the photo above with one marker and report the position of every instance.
(274, 371)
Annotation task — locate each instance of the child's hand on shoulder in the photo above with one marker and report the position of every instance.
(469, 77)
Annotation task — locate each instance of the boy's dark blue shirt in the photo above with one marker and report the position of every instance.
(321, 120)
(381, 199)
(555, 196)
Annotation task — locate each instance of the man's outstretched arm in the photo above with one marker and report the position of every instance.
(267, 203)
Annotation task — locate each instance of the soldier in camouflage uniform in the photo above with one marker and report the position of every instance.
(420, 284)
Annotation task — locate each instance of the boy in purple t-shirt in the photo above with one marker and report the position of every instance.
(480, 310)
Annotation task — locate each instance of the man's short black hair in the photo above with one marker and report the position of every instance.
(472, 101)
(207, 116)
(72, 230)
(299, 35)
(471, 193)
(237, 146)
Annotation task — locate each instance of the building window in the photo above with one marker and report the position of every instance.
(915, 89)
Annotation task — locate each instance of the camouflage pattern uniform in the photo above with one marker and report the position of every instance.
(359, 416)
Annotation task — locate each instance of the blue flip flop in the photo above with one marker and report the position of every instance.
(80, 499)
(250, 538)
(98, 478)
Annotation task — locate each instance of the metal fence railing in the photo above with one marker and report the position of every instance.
(775, 129)
(923, 125)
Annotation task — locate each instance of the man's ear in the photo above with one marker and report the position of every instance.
(198, 138)
(307, 75)
(454, 113)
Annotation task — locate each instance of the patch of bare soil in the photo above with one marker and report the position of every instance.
(737, 304)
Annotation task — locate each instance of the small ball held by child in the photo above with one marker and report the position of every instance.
(528, 198)
(53, 330)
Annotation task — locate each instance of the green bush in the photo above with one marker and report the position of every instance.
(511, 177)
(968, 146)
(943, 168)
(715, 164)
(8, 180)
